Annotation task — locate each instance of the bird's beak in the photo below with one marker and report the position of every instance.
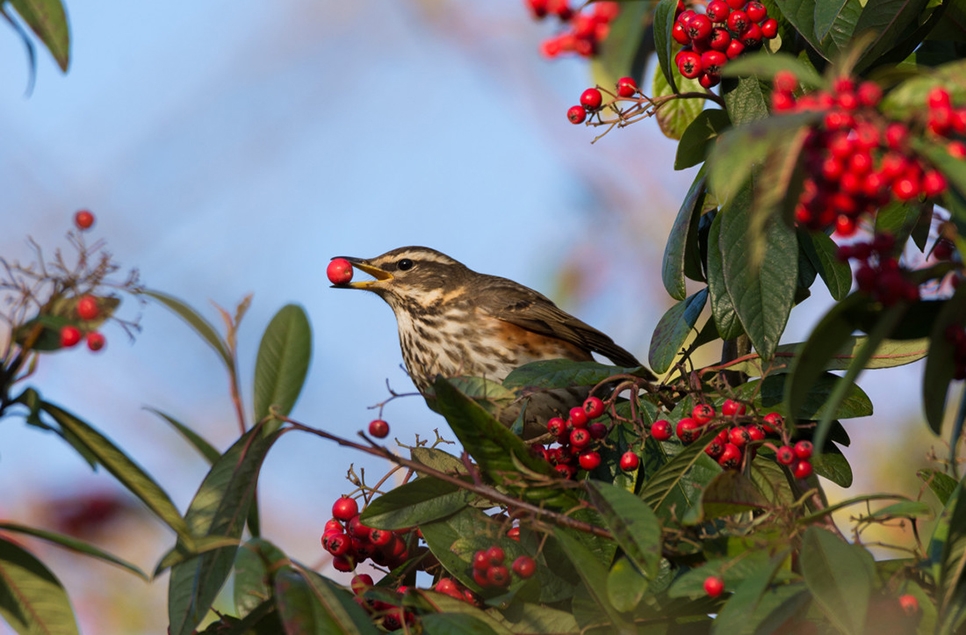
(364, 266)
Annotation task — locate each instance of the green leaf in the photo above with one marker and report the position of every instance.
(562, 373)
(73, 544)
(32, 599)
(441, 535)
(593, 573)
(899, 219)
(682, 255)
(840, 577)
(727, 494)
(424, 500)
(283, 362)
(455, 624)
(664, 18)
(941, 362)
(255, 563)
(48, 20)
(889, 20)
(219, 508)
(835, 22)
(904, 509)
(696, 138)
(760, 272)
(308, 603)
(201, 326)
(765, 65)
(942, 485)
(673, 329)
(115, 461)
(746, 100)
(722, 304)
(821, 253)
(196, 440)
(633, 524)
(947, 551)
(833, 465)
(768, 395)
(910, 96)
(626, 585)
(438, 460)
(677, 486)
(733, 619)
(675, 115)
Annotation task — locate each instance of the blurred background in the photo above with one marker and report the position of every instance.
(230, 148)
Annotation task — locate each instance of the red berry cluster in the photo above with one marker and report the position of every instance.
(587, 28)
(390, 616)
(87, 309)
(592, 99)
(489, 570)
(879, 273)
(575, 439)
(351, 543)
(956, 335)
(723, 32)
(797, 458)
(452, 588)
(856, 160)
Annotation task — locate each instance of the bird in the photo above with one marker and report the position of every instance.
(456, 322)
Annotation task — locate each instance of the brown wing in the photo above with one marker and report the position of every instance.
(524, 307)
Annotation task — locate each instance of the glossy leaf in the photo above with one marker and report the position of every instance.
(73, 544)
(840, 576)
(734, 617)
(420, 501)
(681, 253)
(664, 16)
(696, 138)
(833, 465)
(727, 494)
(821, 253)
(633, 524)
(196, 440)
(48, 20)
(889, 20)
(835, 22)
(722, 304)
(768, 394)
(309, 603)
(129, 473)
(201, 326)
(561, 373)
(255, 564)
(675, 486)
(282, 363)
(32, 599)
(219, 508)
(673, 329)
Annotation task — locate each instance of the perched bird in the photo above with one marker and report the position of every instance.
(455, 322)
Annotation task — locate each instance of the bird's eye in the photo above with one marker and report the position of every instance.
(405, 264)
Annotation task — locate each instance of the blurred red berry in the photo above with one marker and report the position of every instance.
(713, 586)
(87, 308)
(84, 220)
(70, 336)
(95, 341)
(525, 567)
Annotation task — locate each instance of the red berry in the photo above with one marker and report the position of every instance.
(338, 544)
(525, 567)
(688, 430)
(769, 29)
(730, 458)
(933, 183)
(720, 39)
(498, 576)
(939, 98)
(332, 525)
(495, 555)
(703, 413)
(343, 564)
(709, 80)
(578, 417)
(591, 99)
(909, 604)
(580, 438)
(738, 22)
(739, 436)
(785, 81)
(752, 36)
(717, 11)
(513, 533)
(689, 64)
(626, 87)
(339, 271)
(699, 28)
(594, 407)
(345, 508)
(869, 94)
(735, 48)
(714, 449)
(589, 460)
(69, 336)
(87, 308)
(956, 149)
(355, 528)
(661, 430)
(905, 188)
(481, 561)
(785, 455)
(713, 586)
(731, 408)
(802, 469)
(576, 114)
(756, 11)
(95, 341)
(379, 428)
(629, 461)
(712, 61)
(803, 449)
(556, 426)
(360, 583)
(756, 432)
(680, 34)
(736, 4)
(597, 430)
(380, 537)
(84, 220)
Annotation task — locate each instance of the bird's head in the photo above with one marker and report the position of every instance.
(411, 275)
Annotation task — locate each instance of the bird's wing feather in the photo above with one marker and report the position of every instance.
(535, 312)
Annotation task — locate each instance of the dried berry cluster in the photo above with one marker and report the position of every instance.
(857, 161)
(723, 32)
(586, 28)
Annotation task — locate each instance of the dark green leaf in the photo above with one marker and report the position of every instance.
(802, 16)
(73, 544)
(309, 604)
(283, 362)
(835, 22)
(201, 326)
(840, 577)
(746, 100)
(219, 508)
(626, 585)
(32, 599)
(454, 624)
(904, 509)
(760, 272)
(48, 20)
(833, 465)
(727, 494)
(722, 305)
(942, 485)
(812, 403)
(677, 486)
(424, 500)
(820, 251)
(664, 17)
(438, 460)
(941, 362)
(673, 329)
(765, 65)
(442, 534)
(681, 254)
(255, 563)
(196, 440)
(562, 373)
(947, 550)
(733, 619)
(633, 524)
(696, 138)
(910, 96)
(593, 573)
(129, 473)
